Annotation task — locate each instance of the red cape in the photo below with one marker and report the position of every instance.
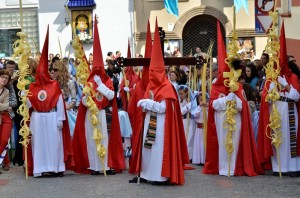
(53, 92)
(175, 154)
(67, 145)
(136, 116)
(247, 160)
(115, 150)
(264, 145)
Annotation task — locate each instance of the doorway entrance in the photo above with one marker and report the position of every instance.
(197, 33)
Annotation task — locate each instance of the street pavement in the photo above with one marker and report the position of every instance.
(14, 185)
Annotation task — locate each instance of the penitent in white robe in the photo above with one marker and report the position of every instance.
(46, 140)
(198, 147)
(189, 127)
(287, 163)
(152, 158)
(219, 106)
(94, 160)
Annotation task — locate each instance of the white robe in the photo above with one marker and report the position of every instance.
(46, 140)
(125, 126)
(287, 163)
(198, 147)
(94, 160)
(220, 106)
(152, 158)
(189, 127)
(175, 84)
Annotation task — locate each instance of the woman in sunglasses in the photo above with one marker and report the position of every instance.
(60, 73)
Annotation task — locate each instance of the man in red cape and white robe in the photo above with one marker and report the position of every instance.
(289, 94)
(163, 159)
(50, 141)
(244, 159)
(136, 113)
(85, 152)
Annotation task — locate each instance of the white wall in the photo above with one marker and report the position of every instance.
(114, 25)
(53, 13)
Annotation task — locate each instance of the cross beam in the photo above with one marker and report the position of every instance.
(198, 61)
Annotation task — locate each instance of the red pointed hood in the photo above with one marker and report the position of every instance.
(222, 66)
(44, 91)
(283, 62)
(148, 49)
(42, 76)
(158, 82)
(98, 64)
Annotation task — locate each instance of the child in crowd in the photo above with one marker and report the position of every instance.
(199, 138)
(188, 122)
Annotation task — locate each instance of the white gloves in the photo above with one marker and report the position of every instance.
(84, 100)
(126, 89)
(22, 93)
(59, 124)
(230, 96)
(282, 81)
(272, 86)
(144, 103)
(97, 80)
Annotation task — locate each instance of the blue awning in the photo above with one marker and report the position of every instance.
(80, 3)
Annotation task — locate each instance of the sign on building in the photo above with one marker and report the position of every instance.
(262, 19)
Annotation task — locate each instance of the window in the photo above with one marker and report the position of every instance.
(10, 25)
(7, 38)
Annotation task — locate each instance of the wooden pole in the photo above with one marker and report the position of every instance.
(203, 90)
(24, 145)
(60, 47)
(189, 98)
(126, 84)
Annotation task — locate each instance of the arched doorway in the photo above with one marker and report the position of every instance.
(198, 31)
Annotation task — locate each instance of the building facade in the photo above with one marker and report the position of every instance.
(115, 23)
(196, 24)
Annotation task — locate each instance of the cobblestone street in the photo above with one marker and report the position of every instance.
(14, 185)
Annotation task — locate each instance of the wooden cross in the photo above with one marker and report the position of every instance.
(124, 62)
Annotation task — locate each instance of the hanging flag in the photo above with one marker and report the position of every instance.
(171, 6)
(241, 4)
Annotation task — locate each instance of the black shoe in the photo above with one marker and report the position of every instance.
(159, 183)
(282, 174)
(295, 174)
(110, 172)
(48, 174)
(135, 180)
(60, 174)
(95, 172)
